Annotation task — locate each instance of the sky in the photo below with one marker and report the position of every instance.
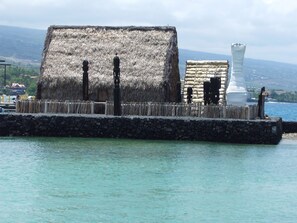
(267, 27)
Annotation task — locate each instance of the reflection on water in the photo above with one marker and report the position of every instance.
(104, 180)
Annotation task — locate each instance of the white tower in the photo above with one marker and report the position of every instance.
(236, 91)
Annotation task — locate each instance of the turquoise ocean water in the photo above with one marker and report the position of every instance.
(116, 180)
(105, 180)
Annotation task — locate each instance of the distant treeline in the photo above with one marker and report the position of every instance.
(276, 95)
(22, 75)
(284, 96)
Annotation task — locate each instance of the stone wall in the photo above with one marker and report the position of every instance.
(167, 128)
(289, 127)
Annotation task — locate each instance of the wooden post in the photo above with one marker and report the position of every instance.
(224, 111)
(45, 106)
(68, 106)
(189, 110)
(92, 107)
(173, 109)
(105, 111)
(31, 106)
(248, 117)
(149, 110)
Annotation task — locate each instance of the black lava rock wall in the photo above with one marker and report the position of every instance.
(166, 128)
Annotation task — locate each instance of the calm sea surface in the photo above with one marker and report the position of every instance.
(288, 111)
(108, 180)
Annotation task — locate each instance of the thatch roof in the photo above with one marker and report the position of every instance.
(199, 71)
(149, 60)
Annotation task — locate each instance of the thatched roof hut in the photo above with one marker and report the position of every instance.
(149, 63)
(199, 71)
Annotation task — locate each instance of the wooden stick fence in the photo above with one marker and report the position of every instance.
(138, 109)
(50, 106)
(181, 109)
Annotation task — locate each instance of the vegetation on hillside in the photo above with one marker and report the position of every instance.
(27, 75)
(275, 95)
(284, 96)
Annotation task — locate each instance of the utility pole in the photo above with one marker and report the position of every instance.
(2, 63)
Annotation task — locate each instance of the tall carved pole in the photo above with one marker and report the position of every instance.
(85, 80)
(116, 90)
(189, 95)
(261, 103)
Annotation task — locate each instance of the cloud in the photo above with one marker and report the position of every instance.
(280, 7)
(266, 26)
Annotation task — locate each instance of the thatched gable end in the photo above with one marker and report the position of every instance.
(149, 61)
(199, 71)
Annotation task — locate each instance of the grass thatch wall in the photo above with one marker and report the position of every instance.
(149, 61)
(199, 71)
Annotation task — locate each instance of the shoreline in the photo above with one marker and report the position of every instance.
(292, 136)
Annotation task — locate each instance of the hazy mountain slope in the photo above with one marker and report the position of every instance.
(257, 73)
(27, 44)
(21, 43)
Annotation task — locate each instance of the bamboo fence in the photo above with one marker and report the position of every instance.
(138, 109)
